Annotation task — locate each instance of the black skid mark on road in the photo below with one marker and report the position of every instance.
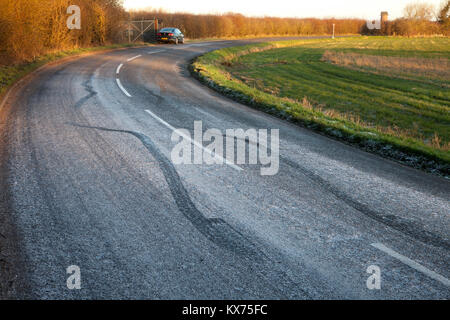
(159, 99)
(409, 228)
(91, 93)
(216, 230)
(219, 231)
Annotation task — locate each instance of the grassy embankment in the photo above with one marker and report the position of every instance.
(388, 95)
(9, 74)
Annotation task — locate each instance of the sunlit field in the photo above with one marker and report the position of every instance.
(370, 89)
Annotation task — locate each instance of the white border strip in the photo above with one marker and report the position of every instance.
(229, 163)
(200, 44)
(122, 88)
(131, 59)
(412, 264)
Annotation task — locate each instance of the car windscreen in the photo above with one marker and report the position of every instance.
(167, 30)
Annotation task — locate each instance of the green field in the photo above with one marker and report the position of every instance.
(374, 91)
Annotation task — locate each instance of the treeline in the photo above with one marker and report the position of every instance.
(410, 28)
(236, 25)
(30, 28)
(420, 19)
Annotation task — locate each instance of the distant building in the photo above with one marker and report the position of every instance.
(384, 17)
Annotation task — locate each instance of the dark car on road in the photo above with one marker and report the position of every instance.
(168, 35)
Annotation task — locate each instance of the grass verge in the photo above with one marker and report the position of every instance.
(400, 118)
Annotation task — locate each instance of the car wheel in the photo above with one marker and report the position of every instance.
(176, 41)
(182, 40)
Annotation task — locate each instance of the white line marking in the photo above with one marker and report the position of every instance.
(118, 68)
(231, 164)
(412, 264)
(131, 59)
(152, 52)
(122, 88)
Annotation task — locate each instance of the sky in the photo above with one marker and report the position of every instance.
(365, 9)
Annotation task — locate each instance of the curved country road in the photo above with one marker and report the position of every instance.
(87, 180)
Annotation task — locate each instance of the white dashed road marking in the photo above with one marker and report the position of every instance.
(412, 264)
(122, 88)
(131, 59)
(118, 68)
(229, 163)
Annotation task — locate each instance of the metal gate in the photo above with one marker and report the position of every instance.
(142, 30)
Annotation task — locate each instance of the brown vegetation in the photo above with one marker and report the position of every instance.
(413, 27)
(237, 25)
(29, 28)
(431, 68)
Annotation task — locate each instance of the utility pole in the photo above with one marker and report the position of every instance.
(334, 26)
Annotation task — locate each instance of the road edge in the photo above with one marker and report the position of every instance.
(13, 283)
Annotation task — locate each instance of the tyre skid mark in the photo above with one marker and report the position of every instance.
(404, 226)
(215, 230)
(91, 93)
(410, 228)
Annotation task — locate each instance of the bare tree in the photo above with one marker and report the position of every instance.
(443, 17)
(419, 11)
(443, 13)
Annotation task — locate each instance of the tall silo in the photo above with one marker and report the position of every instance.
(384, 17)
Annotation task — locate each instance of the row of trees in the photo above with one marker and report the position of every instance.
(237, 25)
(419, 19)
(29, 28)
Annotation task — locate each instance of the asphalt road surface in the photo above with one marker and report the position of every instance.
(87, 180)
